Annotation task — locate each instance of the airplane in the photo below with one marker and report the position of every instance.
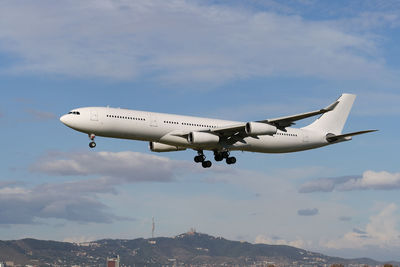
(169, 132)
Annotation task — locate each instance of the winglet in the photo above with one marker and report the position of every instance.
(330, 107)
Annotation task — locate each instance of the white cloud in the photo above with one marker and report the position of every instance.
(79, 239)
(115, 167)
(24, 205)
(370, 180)
(80, 200)
(381, 231)
(180, 41)
(298, 243)
(373, 180)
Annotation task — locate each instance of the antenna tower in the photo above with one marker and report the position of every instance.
(153, 228)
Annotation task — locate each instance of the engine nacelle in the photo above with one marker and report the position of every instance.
(258, 128)
(160, 147)
(201, 138)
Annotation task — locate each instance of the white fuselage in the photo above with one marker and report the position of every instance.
(169, 129)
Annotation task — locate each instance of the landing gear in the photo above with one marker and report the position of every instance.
(231, 160)
(201, 158)
(93, 143)
(220, 155)
(206, 164)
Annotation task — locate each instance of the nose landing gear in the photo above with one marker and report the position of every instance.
(92, 144)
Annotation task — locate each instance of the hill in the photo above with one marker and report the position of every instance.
(189, 248)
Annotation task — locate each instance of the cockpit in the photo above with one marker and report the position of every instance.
(74, 112)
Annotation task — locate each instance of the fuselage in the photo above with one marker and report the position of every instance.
(170, 129)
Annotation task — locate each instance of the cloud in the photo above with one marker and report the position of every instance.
(299, 243)
(69, 201)
(308, 212)
(324, 184)
(381, 231)
(370, 180)
(78, 200)
(181, 41)
(345, 218)
(41, 115)
(358, 231)
(79, 239)
(114, 167)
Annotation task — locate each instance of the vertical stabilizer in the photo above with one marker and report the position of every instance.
(334, 120)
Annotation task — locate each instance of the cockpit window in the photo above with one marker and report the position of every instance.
(74, 112)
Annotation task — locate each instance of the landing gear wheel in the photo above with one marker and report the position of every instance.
(218, 157)
(231, 160)
(199, 158)
(206, 164)
(92, 144)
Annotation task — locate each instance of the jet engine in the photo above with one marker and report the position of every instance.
(160, 147)
(202, 138)
(258, 128)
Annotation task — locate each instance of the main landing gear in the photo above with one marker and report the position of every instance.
(218, 156)
(92, 144)
(201, 158)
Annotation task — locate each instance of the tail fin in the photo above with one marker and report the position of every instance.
(334, 120)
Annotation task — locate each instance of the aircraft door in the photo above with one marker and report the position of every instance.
(306, 138)
(94, 116)
(153, 120)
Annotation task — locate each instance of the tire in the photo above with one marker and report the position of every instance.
(199, 158)
(231, 160)
(206, 164)
(218, 157)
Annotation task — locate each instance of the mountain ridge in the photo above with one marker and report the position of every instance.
(188, 248)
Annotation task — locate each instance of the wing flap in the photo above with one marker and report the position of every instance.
(231, 129)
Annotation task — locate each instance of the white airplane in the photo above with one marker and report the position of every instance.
(168, 132)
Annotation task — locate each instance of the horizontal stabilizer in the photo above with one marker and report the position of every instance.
(343, 137)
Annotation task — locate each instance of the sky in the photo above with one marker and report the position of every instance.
(238, 60)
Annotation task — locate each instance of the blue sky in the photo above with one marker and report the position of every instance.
(242, 60)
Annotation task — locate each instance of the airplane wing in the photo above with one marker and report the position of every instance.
(283, 122)
(237, 132)
(345, 137)
(280, 123)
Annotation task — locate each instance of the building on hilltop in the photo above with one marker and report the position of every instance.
(113, 262)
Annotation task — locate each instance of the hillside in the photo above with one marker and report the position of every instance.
(189, 248)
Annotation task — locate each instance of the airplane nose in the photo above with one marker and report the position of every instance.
(63, 119)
